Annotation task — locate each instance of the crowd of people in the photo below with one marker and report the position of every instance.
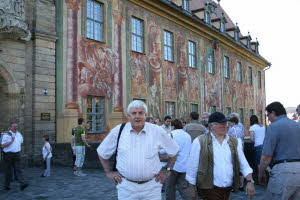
(203, 158)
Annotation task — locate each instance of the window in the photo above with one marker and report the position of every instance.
(226, 67)
(207, 18)
(95, 114)
(192, 54)
(185, 5)
(222, 27)
(168, 46)
(259, 79)
(211, 63)
(170, 109)
(137, 37)
(194, 107)
(143, 100)
(236, 36)
(239, 72)
(213, 109)
(251, 112)
(250, 80)
(228, 111)
(94, 20)
(241, 115)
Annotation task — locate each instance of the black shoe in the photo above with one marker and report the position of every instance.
(6, 188)
(43, 175)
(241, 189)
(24, 186)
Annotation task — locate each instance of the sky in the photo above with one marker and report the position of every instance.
(275, 23)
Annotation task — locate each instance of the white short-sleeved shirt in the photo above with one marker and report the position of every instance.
(259, 134)
(16, 145)
(137, 157)
(184, 141)
(45, 151)
(223, 167)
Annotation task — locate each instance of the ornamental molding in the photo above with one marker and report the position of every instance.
(12, 20)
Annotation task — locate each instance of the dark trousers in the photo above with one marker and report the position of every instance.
(176, 179)
(216, 193)
(12, 160)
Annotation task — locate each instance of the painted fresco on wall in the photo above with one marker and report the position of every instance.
(169, 80)
(194, 85)
(95, 69)
(155, 66)
(181, 50)
(182, 92)
(138, 75)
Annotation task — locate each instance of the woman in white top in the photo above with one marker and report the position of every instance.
(257, 134)
(47, 154)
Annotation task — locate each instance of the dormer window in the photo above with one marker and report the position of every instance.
(207, 17)
(236, 35)
(222, 26)
(185, 5)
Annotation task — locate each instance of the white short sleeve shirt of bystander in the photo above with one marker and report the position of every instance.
(259, 134)
(16, 145)
(137, 157)
(223, 168)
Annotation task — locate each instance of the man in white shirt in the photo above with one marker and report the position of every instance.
(215, 161)
(139, 175)
(167, 124)
(177, 176)
(11, 144)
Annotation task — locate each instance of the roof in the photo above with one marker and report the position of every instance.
(198, 4)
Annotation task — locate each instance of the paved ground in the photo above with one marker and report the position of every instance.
(63, 185)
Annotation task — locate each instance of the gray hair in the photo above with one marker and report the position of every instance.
(234, 115)
(136, 104)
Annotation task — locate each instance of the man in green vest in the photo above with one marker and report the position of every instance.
(215, 161)
(80, 141)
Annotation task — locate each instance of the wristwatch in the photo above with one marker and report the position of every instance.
(168, 168)
(250, 181)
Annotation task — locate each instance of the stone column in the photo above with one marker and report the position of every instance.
(71, 72)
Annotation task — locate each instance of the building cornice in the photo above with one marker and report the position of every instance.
(197, 26)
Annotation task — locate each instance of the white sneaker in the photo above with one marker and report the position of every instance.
(81, 174)
(75, 173)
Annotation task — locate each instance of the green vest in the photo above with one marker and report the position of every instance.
(206, 163)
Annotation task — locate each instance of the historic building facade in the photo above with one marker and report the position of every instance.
(60, 60)
(178, 56)
(27, 68)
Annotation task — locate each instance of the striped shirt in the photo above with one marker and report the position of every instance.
(138, 152)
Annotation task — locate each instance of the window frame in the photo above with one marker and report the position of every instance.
(169, 47)
(136, 35)
(250, 76)
(259, 84)
(241, 113)
(222, 26)
(166, 108)
(239, 72)
(226, 66)
(207, 17)
(192, 55)
(211, 62)
(94, 114)
(213, 109)
(192, 105)
(93, 21)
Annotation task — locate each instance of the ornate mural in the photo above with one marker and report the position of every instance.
(95, 69)
(138, 75)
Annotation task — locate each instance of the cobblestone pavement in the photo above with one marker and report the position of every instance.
(62, 184)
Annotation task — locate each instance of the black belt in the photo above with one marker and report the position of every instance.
(285, 161)
(138, 182)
